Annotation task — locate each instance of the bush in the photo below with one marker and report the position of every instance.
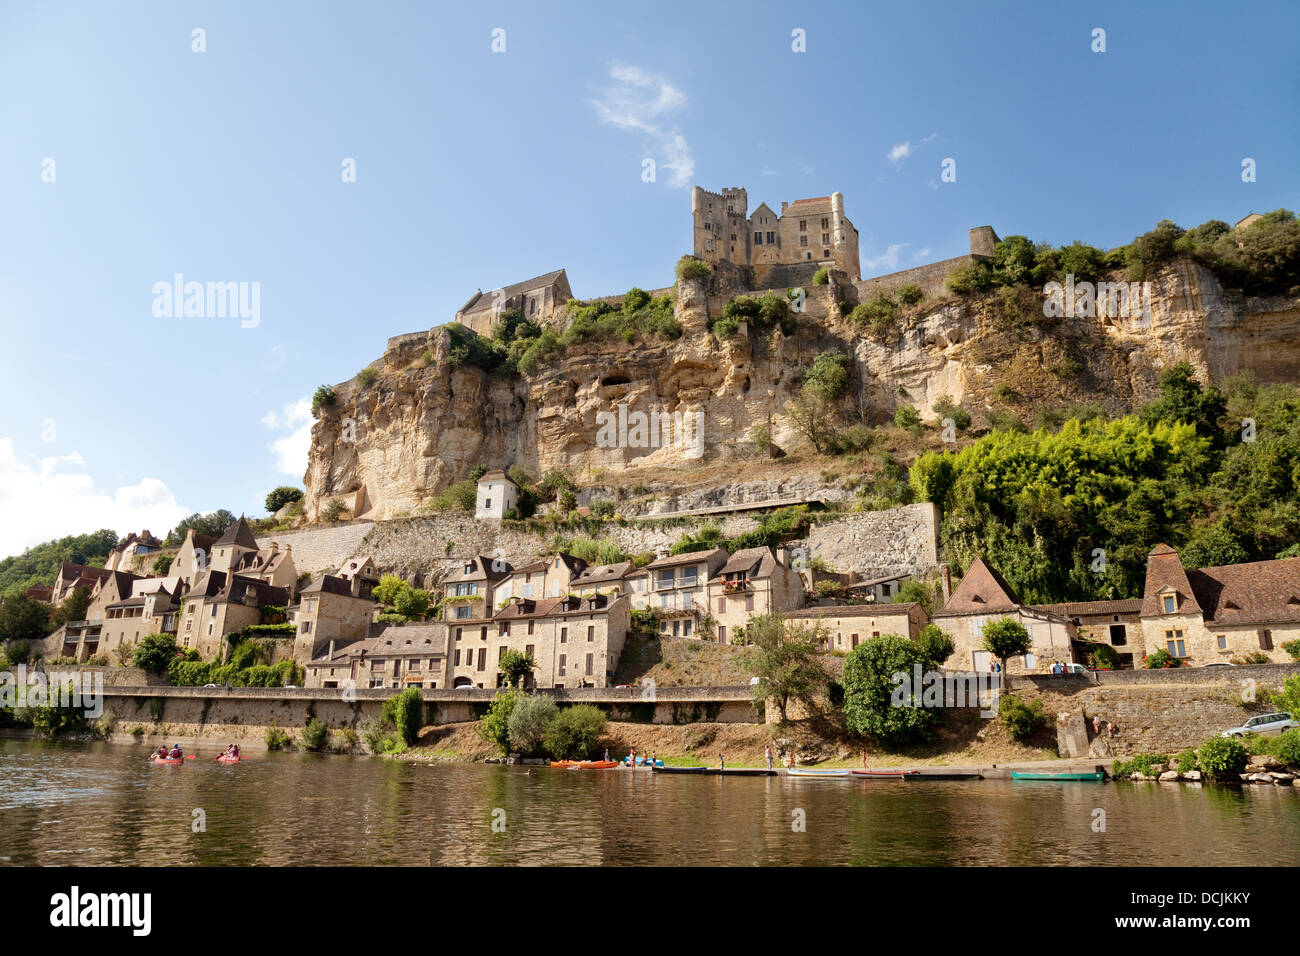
(1162, 659)
(367, 375)
(162, 564)
(277, 739)
(946, 408)
(1185, 762)
(333, 510)
(1103, 657)
(528, 722)
(315, 735)
(1287, 747)
(1222, 758)
(821, 276)
(909, 293)
(1292, 648)
(154, 653)
(324, 398)
(688, 267)
(1143, 764)
(907, 417)
(408, 714)
(876, 316)
(1021, 719)
(572, 733)
(975, 277)
(494, 725)
(282, 496)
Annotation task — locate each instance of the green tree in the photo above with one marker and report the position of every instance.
(784, 658)
(399, 597)
(1005, 637)
(573, 732)
(935, 644)
(22, 618)
(154, 653)
(213, 524)
(1184, 399)
(408, 714)
(879, 700)
(282, 496)
(494, 725)
(527, 723)
(73, 608)
(918, 592)
(1022, 719)
(516, 667)
(324, 398)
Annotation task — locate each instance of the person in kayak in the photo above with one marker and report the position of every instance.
(231, 751)
(176, 753)
(161, 753)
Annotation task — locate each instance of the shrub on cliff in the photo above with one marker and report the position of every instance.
(909, 293)
(876, 317)
(688, 267)
(1222, 758)
(821, 276)
(279, 497)
(324, 398)
(573, 732)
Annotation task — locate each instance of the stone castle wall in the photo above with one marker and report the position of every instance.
(323, 548)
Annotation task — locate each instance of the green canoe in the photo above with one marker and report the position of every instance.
(1094, 775)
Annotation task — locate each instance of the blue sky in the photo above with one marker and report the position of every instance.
(477, 168)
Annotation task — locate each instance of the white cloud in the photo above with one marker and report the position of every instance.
(900, 151)
(290, 449)
(922, 253)
(888, 260)
(645, 103)
(41, 500)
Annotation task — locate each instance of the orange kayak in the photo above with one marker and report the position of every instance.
(224, 759)
(177, 760)
(584, 764)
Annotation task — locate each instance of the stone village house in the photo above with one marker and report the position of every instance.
(1218, 613)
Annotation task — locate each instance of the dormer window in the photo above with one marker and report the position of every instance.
(1170, 603)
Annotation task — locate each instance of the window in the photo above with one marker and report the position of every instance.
(722, 605)
(1169, 604)
(803, 241)
(482, 633)
(562, 660)
(771, 238)
(589, 660)
(686, 628)
(722, 633)
(826, 238)
(1265, 640)
(591, 632)
(530, 627)
(482, 658)
(462, 610)
(487, 502)
(1118, 635)
(306, 627)
(677, 628)
(758, 238)
(1223, 641)
(749, 602)
(825, 223)
(455, 660)
(564, 635)
(1175, 644)
(459, 630)
(803, 225)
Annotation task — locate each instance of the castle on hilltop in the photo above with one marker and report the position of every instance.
(808, 231)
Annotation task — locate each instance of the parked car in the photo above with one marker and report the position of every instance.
(1076, 669)
(1219, 664)
(206, 686)
(1264, 724)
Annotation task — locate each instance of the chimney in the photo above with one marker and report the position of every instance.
(330, 656)
(783, 205)
(947, 583)
(275, 548)
(853, 577)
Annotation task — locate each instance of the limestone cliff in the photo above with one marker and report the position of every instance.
(385, 447)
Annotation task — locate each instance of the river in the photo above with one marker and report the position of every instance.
(106, 804)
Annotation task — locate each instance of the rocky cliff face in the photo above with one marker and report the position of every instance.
(385, 448)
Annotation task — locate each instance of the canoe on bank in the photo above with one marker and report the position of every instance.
(584, 764)
(798, 772)
(698, 770)
(920, 776)
(642, 763)
(1096, 775)
(884, 774)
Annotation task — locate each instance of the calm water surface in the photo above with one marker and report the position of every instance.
(105, 804)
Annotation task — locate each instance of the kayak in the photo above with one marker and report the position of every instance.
(584, 764)
(1095, 775)
(225, 759)
(644, 764)
(884, 774)
(917, 777)
(746, 772)
(172, 760)
(796, 772)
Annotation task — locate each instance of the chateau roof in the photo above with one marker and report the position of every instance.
(483, 302)
(1165, 571)
(328, 584)
(981, 591)
(809, 200)
(480, 570)
(757, 562)
(689, 557)
(238, 534)
(604, 573)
